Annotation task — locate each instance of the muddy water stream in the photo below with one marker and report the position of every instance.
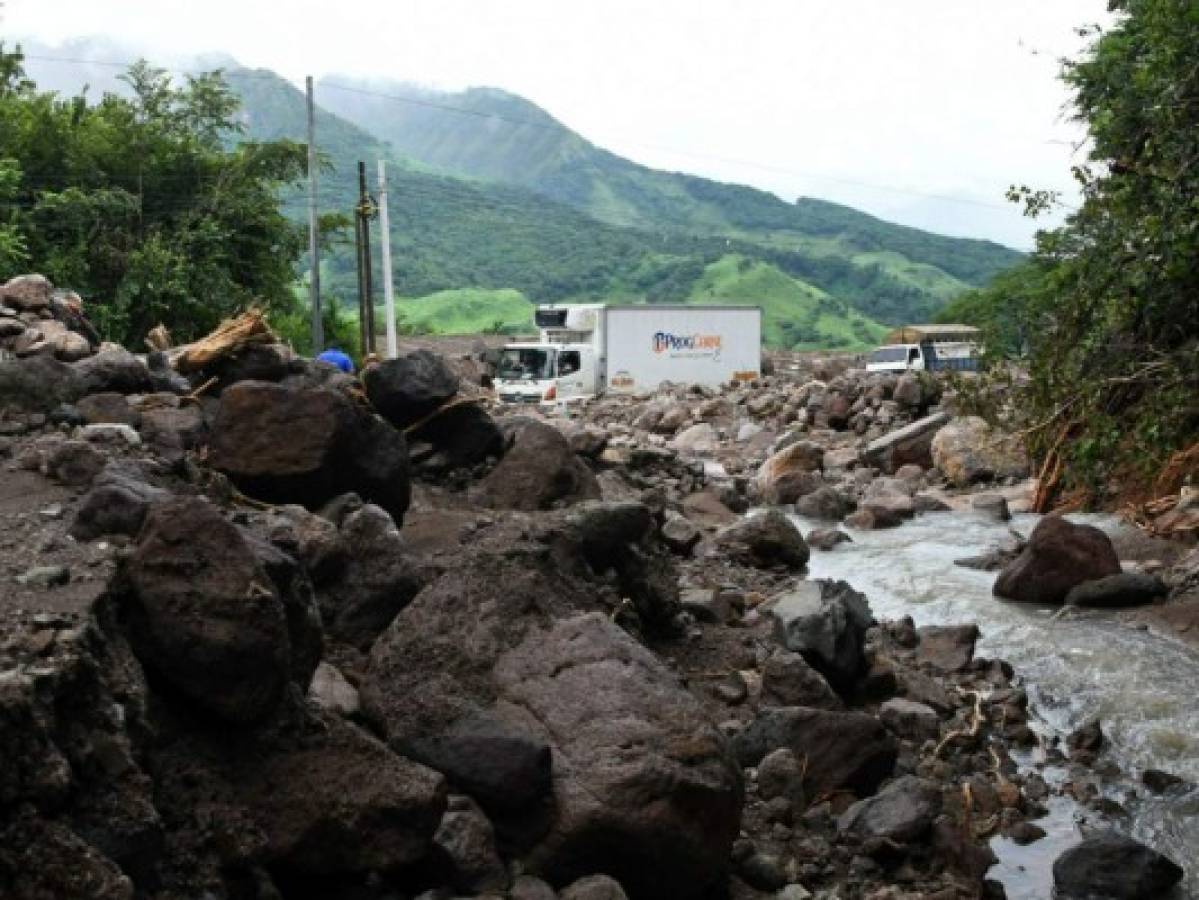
(1145, 688)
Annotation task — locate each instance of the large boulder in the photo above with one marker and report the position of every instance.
(1113, 866)
(791, 473)
(844, 750)
(114, 370)
(410, 387)
(116, 504)
(903, 811)
(560, 725)
(376, 578)
(307, 445)
(538, 470)
(460, 436)
(825, 622)
(765, 540)
(38, 384)
(1058, 556)
(967, 450)
(342, 802)
(788, 680)
(645, 787)
(316, 799)
(207, 614)
(910, 445)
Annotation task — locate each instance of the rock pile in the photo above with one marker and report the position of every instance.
(37, 320)
(270, 632)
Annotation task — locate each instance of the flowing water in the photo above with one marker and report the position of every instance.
(1145, 688)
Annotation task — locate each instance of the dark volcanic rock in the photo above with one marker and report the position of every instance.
(505, 767)
(825, 622)
(1110, 866)
(116, 504)
(1125, 589)
(409, 387)
(308, 446)
(377, 579)
(903, 811)
(825, 503)
(320, 797)
(538, 470)
(949, 648)
(1059, 556)
(114, 371)
(204, 614)
(38, 384)
(827, 538)
(788, 680)
(457, 437)
(645, 788)
(765, 540)
(479, 677)
(845, 750)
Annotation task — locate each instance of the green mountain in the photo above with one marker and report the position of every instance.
(491, 134)
(491, 198)
(463, 241)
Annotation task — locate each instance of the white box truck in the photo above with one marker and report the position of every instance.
(587, 349)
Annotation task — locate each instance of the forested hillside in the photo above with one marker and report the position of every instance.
(492, 134)
(1106, 312)
(463, 229)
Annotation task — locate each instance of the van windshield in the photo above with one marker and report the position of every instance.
(531, 363)
(889, 354)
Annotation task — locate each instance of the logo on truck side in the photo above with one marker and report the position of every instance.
(687, 344)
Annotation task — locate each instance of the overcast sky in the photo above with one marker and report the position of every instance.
(920, 111)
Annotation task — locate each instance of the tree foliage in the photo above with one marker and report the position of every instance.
(138, 203)
(1109, 308)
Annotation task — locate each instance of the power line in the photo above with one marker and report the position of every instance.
(557, 126)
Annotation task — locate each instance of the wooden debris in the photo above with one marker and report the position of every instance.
(229, 337)
(159, 339)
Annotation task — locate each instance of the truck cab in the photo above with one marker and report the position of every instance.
(546, 373)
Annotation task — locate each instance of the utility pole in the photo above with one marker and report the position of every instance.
(367, 304)
(389, 297)
(314, 279)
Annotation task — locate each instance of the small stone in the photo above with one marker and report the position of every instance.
(909, 719)
(1024, 833)
(45, 576)
(780, 775)
(992, 506)
(762, 871)
(1158, 781)
(595, 887)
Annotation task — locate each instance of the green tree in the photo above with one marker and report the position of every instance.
(140, 205)
(1110, 308)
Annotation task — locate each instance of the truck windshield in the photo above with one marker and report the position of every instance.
(889, 354)
(533, 364)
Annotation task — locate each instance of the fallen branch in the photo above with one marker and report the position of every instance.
(972, 731)
(449, 404)
(194, 396)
